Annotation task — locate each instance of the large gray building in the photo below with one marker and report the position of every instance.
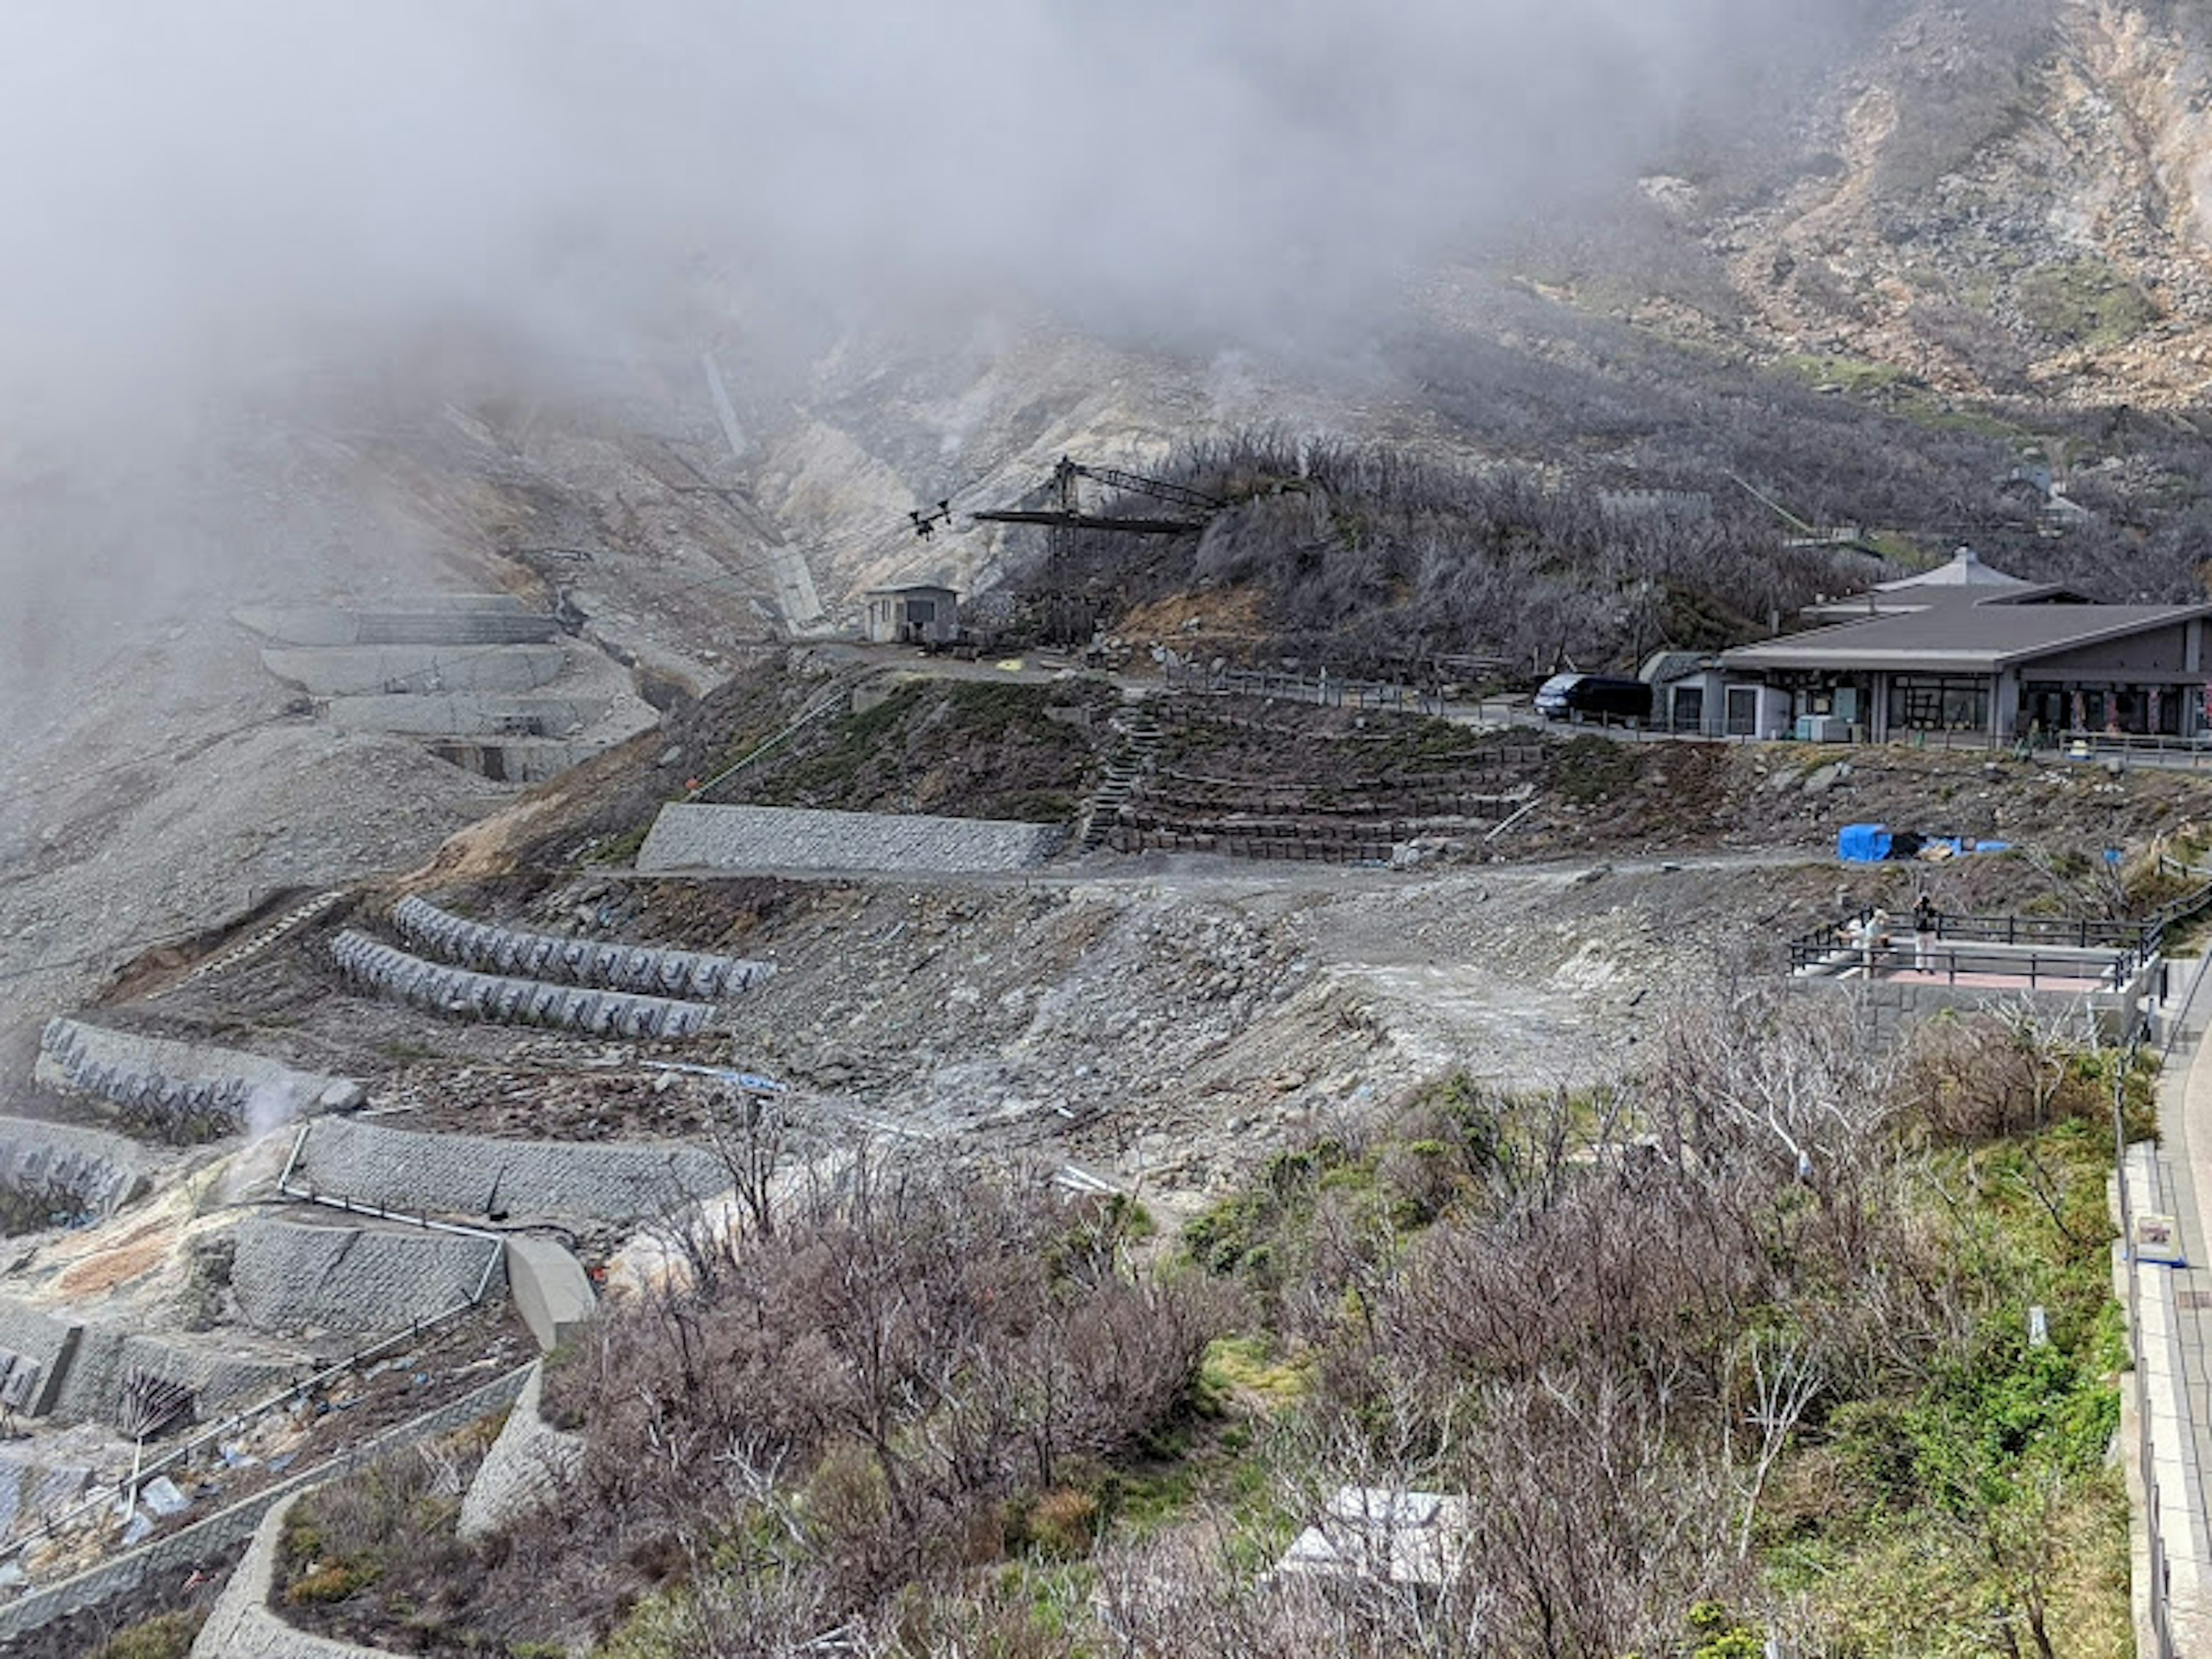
(1964, 649)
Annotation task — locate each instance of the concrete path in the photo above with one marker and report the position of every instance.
(2175, 1309)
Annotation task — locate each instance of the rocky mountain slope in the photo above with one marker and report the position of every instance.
(2001, 200)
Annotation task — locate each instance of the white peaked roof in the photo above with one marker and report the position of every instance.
(1964, 569)
(1964, 580)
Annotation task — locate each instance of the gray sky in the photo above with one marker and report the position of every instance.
(231, 204)
(198, 194)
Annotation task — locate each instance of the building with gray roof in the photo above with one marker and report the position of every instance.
(1961, 649)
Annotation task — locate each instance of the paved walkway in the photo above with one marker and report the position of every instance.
(2174, 1178)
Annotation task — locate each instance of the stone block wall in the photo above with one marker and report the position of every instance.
(468, 1176)
(644, 969)
(443, 989)
(37, 1347)
(89, 1385)
(693, 836)
(526, 1467)
(76, 1368)
(291, 1273)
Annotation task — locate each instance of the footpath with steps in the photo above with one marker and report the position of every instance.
(1124, 771)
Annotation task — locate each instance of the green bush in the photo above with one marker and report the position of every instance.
(165, 1635)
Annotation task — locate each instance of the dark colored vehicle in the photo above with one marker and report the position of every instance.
(1603, 696)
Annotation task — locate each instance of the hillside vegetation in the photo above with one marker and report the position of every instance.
(1737, 1345)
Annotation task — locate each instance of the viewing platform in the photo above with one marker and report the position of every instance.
(2107, 969)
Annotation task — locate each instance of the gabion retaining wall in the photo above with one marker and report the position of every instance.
(648, 970)
(99, 1171)
(435, 986)
(137, 1072)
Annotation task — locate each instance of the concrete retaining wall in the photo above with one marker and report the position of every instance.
(449, 990)
(355, 670)
(467, 714)
(691, 836)
(452, 619)
(470, 1176)
(102, 1172)
(644, 969)
(124, 1573)
(90, 1384)
(138, 1072)
(550, 1289)
(525, 760)
(1890, 1005)
(525, 1469)
(37, 1348)
(291, 1273)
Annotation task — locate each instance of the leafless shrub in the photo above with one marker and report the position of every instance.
(1975, 1078)
(869, 1381)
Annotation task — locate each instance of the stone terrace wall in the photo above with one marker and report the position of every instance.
(690, 836)
(291, 1273)
(126, 1069)
(641, 968)
(471, 1175)
(102, 1171)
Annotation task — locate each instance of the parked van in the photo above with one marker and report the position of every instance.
(1564, 696)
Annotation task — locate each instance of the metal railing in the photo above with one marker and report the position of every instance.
(124, 1491)
(1321, 689)
(2106, 969)
(2081, 933)
(2132, 944)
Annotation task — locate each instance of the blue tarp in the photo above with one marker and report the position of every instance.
(1863, 843)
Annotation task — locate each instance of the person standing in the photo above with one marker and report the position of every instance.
(1924, 933)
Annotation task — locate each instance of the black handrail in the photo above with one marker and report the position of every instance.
(2133, 943)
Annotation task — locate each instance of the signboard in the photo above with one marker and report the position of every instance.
(2157, 1238)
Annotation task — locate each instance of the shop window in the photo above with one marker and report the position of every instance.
(1929, 704)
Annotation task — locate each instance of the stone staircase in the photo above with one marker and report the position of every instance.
(292, 920)
(1124, 771)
